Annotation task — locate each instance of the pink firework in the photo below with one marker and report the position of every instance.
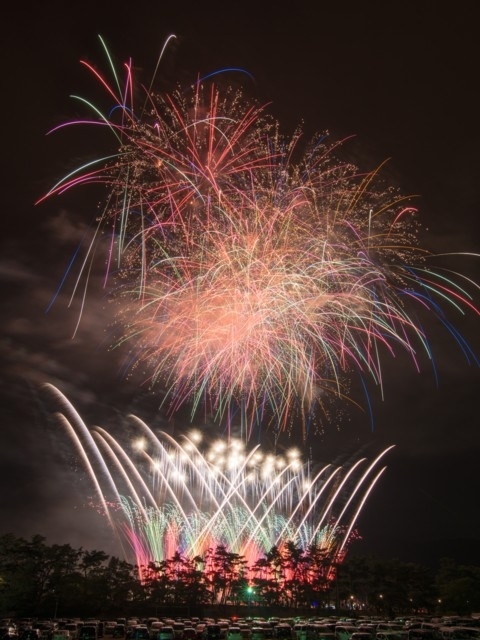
(250, 271)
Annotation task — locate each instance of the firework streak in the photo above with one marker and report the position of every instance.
(251, 270)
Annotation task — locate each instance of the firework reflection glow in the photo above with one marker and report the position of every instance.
(174, 497)
(251, 270)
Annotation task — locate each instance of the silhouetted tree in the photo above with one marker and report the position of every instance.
(43, 580)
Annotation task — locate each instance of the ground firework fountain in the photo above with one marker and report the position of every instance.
(175, 496)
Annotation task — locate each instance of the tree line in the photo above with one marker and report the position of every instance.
(42, 580)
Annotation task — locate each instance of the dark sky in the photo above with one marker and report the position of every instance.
(401, 78)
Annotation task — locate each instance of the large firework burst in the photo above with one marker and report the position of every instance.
(252, 270)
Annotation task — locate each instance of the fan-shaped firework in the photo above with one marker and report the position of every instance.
(174, 498)
(251, 272)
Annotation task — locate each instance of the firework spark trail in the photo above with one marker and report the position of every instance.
(85, 444)
(346, 535)
(180, 499)
(252, 272)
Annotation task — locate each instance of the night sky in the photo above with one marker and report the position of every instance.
(401, 79)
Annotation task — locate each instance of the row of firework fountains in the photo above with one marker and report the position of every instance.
(163, 496)
(251, 273)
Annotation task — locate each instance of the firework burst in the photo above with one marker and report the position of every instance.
(251, 270)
